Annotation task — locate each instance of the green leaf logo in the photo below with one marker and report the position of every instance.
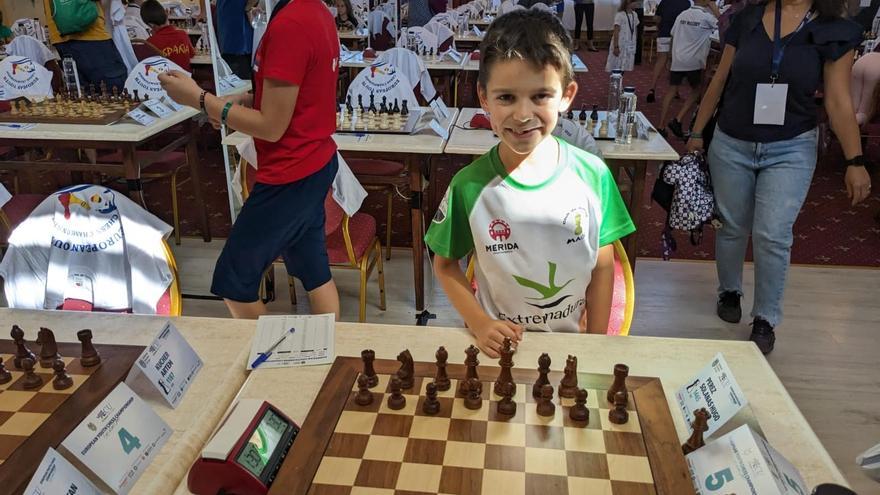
(546, 291)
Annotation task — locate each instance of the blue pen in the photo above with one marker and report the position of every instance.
(263, 356)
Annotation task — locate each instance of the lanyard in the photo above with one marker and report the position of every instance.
(778, 46)
(629, 21)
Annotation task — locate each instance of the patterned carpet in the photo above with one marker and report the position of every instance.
(828, 231)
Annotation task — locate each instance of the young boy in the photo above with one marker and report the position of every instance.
(174, 44)
(538, 214)
(691, 38)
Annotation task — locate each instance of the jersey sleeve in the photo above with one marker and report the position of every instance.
(710, 21)
(288, 52)
(449, 234)
(616, 222)
(619, 19)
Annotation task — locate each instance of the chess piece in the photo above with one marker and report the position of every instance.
(619, 414)
(396, 400)
(48, 349)
(396, 107)
(545, 406)
(21, 350)
(404, 111)
(13, 109)
(361, 103)
(62, 380)
(543, 370)
(506, 363)
(568, 385)
(442, 379)
(431, 405)
(364, 397)
(90, 356)
(407, 370)
(579, 411)
(372, 107)
(471, 362)
(137, 98)
(369, 355)
(506, 405)
(31, 379)
(348, 106)
(582, 116)
(5, 375)
(621, 371)
(473, 400)
(570, 114)
(700, 425)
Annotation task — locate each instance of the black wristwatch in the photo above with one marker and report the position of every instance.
(856, 161)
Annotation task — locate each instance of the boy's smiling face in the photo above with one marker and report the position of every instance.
(524, 102)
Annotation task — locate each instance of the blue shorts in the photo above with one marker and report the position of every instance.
(286, 220)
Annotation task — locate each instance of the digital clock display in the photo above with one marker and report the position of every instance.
(257, 452)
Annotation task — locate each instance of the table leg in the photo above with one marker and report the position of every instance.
(133, 175)
(418, 247)
(635, 209)
(192, 159)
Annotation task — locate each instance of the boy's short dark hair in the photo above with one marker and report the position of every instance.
(531, 35)
(152, 12)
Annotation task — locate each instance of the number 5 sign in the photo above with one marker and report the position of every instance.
(743, 462)
(118, 439)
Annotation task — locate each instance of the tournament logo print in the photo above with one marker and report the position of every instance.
(547, 292)
(574, 220)
(145, 76)
(500, 232)
(22, 76)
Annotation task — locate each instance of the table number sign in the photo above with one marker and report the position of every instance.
(715, 389)
(118, 439)
(742, 462)
(57, 475)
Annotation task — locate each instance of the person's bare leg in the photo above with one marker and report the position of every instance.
(324, 299)
(245, 310)
(691, 99)
(667, 100)
(659, 68)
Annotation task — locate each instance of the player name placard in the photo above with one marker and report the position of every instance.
(742, 462)
(170, 364)
(57, 475)
(118, 439)
(715, 389)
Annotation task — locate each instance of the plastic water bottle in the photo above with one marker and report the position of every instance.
(614, 90)
(70, 76)
(626, 116)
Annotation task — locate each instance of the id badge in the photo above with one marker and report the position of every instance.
(770, 103)
(630, 49)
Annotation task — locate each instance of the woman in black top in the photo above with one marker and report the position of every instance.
(763, 152)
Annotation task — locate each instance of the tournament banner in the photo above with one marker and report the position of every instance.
(144, 78)
(21, 76)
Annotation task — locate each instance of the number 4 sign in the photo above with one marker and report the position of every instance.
(118, 439)
(743, 462)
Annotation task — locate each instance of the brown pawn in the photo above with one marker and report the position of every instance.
(473, 400)
(546, 407)
(31, 379)
(543, 369)
(442, 379)
(506, 405)
(21, 350)
(621, 371)
(431, 405)
(90, 356)
(5, 375)
(364, 397)
(62, 380)
(396, 400)
(619, 414)
(368, 356)
(568, 385)
(579, 411)
(700, 426)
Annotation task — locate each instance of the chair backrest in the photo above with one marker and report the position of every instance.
(444, 35)
(623, 296)
(412, 66)
(382, 79)
(30, 47)
(144, 50)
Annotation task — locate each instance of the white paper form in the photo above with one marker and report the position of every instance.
(311, 343)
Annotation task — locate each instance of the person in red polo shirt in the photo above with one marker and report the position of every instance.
(174, 43)
(292, 117)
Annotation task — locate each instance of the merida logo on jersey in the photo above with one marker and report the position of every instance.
(547, 292)
(499, 230)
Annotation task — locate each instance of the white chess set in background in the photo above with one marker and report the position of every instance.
(389, 117)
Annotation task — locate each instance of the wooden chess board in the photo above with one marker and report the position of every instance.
(344, 448)
(406, 126)
(33, 420)
(45, 112)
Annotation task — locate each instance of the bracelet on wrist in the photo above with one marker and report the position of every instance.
(202, 102)
(696, 135)
(856, 161)
(225, 113)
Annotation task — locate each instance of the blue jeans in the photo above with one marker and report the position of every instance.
(759, 190)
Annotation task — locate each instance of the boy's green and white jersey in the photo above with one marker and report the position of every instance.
(535, 245)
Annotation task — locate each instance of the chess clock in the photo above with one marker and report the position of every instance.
(244, 454)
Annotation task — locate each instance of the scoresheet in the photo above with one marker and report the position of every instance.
(310, 343)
